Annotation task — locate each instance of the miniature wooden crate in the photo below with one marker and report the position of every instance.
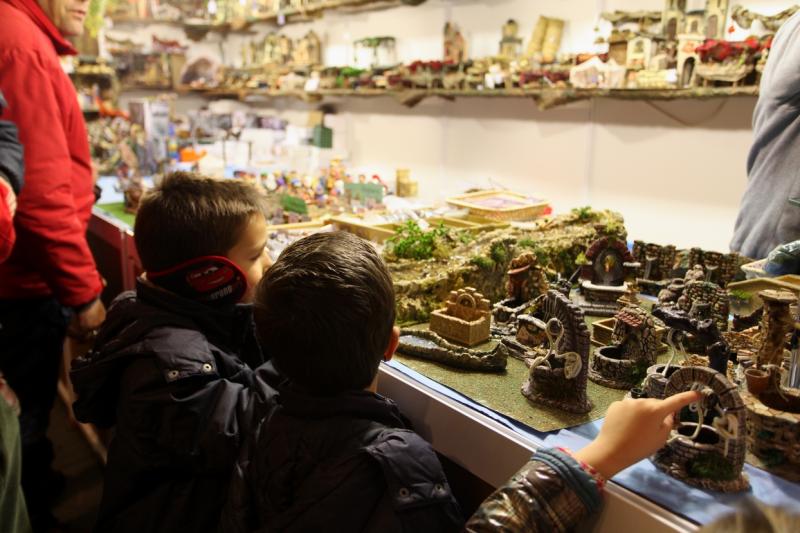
(501, 205)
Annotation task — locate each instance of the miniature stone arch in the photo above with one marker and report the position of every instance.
(708, 448)
(558, 377)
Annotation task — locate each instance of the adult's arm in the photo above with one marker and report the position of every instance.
(48, 222)
(781, 78)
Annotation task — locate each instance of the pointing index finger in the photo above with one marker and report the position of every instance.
(679, 401)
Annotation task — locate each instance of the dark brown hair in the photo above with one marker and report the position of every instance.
(324, 312)
(189, 215)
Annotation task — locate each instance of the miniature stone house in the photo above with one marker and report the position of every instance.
(703, 299)
(656, 263)
(608, 264)
(466, 319)
(684, 17)
(558, 327)
(708, 451)
(525, 282)
(720, 268)
(634, 347)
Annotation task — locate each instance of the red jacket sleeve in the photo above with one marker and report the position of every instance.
(6, 226)
(50, 233)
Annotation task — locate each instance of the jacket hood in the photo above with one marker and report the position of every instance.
(142, 323)
(38, 16)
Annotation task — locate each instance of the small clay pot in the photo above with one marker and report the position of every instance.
(638, 392)
(757, 380)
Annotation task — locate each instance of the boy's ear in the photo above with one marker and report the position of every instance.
(394, 340)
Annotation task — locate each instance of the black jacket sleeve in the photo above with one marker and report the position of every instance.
(12, 167)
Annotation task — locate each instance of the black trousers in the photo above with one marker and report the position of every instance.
(32, 333)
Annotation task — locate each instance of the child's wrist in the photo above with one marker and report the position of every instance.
(596, 473)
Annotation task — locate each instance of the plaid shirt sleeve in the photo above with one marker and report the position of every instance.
(550, 493)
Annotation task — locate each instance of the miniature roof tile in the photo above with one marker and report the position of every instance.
(631, 317)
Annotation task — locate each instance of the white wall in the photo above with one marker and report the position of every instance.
(676, 170)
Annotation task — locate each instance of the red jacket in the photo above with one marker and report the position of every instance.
(51, 255)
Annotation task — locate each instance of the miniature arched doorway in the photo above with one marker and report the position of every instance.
(672, 28)
(711, 27)
(687, 74)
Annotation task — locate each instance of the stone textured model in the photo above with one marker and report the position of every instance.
(707, 448)
(773, 424)
(656, 264)
(776, 323)
(554, 341)
(465, 319)
(525, 282)
(608, 264)
(634, 347)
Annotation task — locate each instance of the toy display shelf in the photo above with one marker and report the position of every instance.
(309, 11)
(545, 98)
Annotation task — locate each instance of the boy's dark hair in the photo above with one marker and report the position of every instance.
(189, 216)
(324, 312)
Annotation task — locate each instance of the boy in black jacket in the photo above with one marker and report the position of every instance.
(173, 365)
(332, 455)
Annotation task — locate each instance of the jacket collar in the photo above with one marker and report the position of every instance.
(228, 326)
(37, 15)
(359, 404)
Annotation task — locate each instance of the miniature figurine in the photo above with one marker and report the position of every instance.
(633, 349)
(554, 341)
(708, 449)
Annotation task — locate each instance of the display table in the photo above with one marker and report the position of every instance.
(493, 446)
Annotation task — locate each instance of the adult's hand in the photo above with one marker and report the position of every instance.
(87, 321)
(11, 198)
(632, 431)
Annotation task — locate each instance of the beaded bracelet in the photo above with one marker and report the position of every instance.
(586, 467)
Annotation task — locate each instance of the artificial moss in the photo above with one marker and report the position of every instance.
(711, 466)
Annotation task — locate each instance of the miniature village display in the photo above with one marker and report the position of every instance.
(466, 319)
(678, 47)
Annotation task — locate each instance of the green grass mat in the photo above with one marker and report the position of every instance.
(117, 210)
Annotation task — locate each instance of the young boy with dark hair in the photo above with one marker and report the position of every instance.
(173, 365)
(332, 455)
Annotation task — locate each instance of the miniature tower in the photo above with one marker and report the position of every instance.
(511, 44)
(716, 17)
(674, 18)
(776, 323)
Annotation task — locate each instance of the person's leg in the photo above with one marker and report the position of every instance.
(32, 336)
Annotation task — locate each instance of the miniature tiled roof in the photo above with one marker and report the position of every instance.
(631, 317)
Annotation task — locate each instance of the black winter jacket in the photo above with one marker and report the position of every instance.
(176, 380)
(345, 463)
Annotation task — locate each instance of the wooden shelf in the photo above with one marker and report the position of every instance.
(545, 98)
(291, 15)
